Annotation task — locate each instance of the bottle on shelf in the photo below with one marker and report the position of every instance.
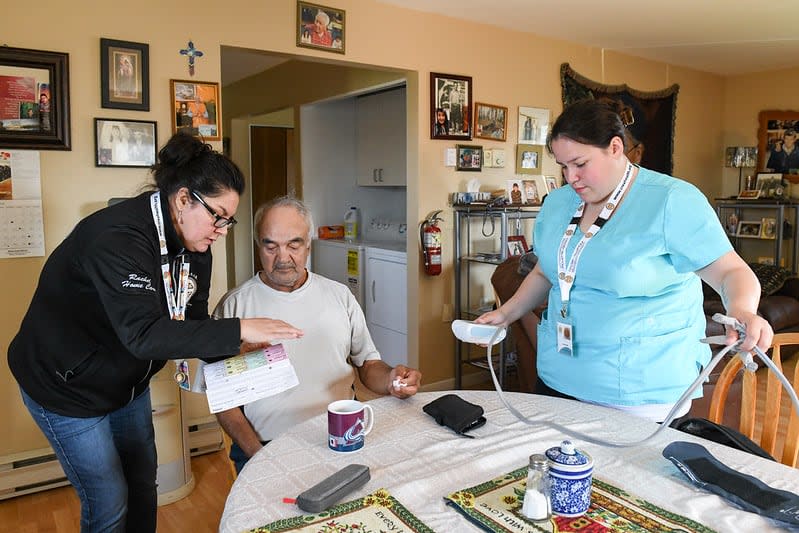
(352, 224)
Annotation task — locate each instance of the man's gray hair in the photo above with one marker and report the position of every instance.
(282, 201)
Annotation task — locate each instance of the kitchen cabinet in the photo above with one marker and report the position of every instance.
(762, 230)
(380, 138)
(387, 303)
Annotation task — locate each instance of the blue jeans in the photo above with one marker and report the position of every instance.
(110, 461)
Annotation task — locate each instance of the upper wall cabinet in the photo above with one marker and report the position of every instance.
(380, 138)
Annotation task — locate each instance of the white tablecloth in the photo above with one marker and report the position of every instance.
(420, 462)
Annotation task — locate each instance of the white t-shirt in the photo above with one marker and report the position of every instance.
(334, 330)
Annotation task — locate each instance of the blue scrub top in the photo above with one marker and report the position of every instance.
(636, 303)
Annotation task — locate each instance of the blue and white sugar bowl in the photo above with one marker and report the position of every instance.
(570, 475)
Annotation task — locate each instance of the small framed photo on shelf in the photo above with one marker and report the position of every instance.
(514, 192)
(749, 194)
(533, 192)
(552, 183)
(124, 75)
(490, 121)
(769, 184)
(731, 225)
(768, 228)
(749, 228)
(125, 143)
(320, 27)
(528, 158)
(517, 245)
(765, 260)
(469, 157)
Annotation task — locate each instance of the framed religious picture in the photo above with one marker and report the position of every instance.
(321, 27)
(777, 148)
(450, 106)
(490, 121)
(469, 157)
(125, 143)
(529, 158)
(517, 245)
(34, 91)
(196, 109)
(768, 228)
(124, 75)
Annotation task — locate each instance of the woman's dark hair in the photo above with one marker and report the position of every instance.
(185, 161)
(591, 122)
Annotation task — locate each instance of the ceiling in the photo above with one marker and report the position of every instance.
(725, 37)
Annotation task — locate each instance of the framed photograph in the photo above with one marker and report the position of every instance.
(533, 125)
(125, 143)
(534, 191)
(517, 245)
(552, 183)
(196, 108)
(34, 91)
(768, 227)
(777, 136)
(490, 121)
(765, 260)
(528, 158)
(469, 157)
(731, 225)
(124, 75)
(749, 228)
(450, 105)
(514, 191)
(769, 184)
(320, 27)
(749, 194)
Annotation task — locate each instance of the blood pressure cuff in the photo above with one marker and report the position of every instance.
(456, 413)
(745, 491)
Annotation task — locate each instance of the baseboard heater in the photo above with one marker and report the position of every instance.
(31, 471)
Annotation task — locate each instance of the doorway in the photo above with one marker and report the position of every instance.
(271, 167)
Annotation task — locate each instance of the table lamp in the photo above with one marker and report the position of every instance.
(740, 157)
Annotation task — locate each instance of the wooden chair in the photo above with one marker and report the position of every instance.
(227, 442)
(773, 392)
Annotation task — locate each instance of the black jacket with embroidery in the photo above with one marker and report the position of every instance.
(98, 326)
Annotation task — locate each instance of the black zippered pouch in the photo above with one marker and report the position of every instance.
(456, 413)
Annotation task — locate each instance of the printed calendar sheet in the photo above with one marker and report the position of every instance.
(248, 377)
(21, 227)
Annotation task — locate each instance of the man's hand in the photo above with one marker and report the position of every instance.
(403, 381)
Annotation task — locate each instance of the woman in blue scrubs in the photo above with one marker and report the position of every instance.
(621, 255)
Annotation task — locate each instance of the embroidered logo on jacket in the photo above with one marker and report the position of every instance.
(137, 281)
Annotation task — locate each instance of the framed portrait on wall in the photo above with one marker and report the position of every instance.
(321, 27)
(533, 125)
(450, 106)
(195, 108)
(529, 158)
(490, 121)
(777, 146)
(34, 91)
(469, 157)
(124, 75)
(125, 143)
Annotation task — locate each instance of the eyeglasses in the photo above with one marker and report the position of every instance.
(219, 220)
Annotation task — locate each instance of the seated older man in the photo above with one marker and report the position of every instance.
(335, 333)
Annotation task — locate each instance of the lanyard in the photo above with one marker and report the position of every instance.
(175, 299)
(566, 274)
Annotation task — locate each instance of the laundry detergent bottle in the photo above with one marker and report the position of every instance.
(352, 224)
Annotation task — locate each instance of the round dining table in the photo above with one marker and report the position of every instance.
(420, 462)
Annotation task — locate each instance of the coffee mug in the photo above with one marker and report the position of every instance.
(348, 422)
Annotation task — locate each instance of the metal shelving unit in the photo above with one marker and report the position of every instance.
(785, 250)
(466, 257)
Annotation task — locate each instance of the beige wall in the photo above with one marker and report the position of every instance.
(508, 69)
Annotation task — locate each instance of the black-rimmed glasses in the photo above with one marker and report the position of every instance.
(219, 220)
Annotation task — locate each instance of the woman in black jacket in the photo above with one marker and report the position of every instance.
(126, 291)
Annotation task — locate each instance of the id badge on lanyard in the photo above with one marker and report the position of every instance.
(568, 272)
(176, 292)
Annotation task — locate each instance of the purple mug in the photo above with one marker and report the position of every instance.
(347, 425)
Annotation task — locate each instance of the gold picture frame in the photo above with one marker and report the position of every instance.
(321, 27)
(529, 158)
(196, 108)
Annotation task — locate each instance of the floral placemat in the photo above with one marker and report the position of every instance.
(496, 506)
(373, 513)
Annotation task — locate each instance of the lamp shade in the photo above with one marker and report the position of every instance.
(740, 156)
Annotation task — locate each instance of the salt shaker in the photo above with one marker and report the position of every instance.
(537, 504)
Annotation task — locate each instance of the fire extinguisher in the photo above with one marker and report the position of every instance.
(430, 237)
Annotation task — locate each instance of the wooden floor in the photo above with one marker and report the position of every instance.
(58, 510)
